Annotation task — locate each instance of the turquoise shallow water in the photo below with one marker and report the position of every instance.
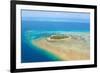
(32, 53)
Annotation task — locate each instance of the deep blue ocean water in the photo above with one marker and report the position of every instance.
(55, 26)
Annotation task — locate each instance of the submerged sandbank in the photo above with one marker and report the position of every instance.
(67, 47)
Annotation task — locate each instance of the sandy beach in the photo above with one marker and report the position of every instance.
(71, 48)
